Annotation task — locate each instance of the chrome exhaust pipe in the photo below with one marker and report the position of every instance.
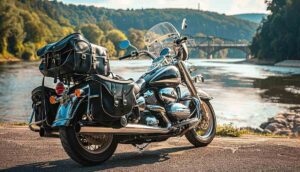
(128, 129)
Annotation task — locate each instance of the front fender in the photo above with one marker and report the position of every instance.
(203, 95)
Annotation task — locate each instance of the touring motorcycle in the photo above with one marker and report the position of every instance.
(94, 110)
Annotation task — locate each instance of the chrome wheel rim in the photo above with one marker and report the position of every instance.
(95, 144)
(205, 133)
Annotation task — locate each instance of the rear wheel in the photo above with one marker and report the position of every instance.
(87, 149)
(204, 133)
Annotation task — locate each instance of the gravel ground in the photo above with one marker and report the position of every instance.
(23, 150)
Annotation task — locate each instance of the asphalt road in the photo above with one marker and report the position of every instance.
(23, 150)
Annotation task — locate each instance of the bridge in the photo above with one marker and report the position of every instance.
(210, 45)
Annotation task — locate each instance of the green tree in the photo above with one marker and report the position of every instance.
(110, 48)
(136, 38)
(105, 25)
(115, 36)
(277, 38)
(92, 32)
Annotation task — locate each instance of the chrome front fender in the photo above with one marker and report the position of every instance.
(203, 95)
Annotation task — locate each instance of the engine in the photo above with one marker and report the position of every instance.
(166, 100)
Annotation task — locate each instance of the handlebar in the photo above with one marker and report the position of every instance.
(138, 53)
(179, 41)
(147, 53)
(125, 57)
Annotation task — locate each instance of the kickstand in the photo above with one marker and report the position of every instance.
(141, 147)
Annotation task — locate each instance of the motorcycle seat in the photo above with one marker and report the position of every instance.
(119, 81)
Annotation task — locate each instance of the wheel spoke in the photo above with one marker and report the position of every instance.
(94, 143)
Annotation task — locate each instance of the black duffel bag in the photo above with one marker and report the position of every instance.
(116, 97)
(73, 55)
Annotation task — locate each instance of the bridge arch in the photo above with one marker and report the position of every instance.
(210, 45)
(246, 50)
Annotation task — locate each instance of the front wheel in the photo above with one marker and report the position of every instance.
(87, 149)
(204, 133)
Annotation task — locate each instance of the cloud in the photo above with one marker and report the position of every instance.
(220, 6)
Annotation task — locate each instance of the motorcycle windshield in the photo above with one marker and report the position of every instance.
(160, 36)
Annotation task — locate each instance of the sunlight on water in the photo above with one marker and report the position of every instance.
(243, 93)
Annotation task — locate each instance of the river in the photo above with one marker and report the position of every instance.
(244, 94)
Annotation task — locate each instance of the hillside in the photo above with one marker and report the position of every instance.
(209, 23)
(28, 25)
(252, 17)
(278, 37)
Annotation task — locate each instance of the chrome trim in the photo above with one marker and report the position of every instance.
(129, 129)
(162, 112)
(168, 95)
(178, 111)
(141, 102)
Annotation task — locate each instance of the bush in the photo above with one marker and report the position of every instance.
(228, 130)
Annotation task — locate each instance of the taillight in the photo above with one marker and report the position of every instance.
(60, 88)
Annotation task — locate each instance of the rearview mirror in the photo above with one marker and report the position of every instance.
(124, 44)
(183, 24)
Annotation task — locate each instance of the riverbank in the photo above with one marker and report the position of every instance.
(9, 60)
(283, 124)
(288, 63)
(23, 150)
(284, 63)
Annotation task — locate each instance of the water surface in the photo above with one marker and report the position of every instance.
(244, 94)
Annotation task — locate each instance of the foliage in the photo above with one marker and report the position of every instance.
(26, 25)
(92, 33)
(105, 25)
(253, 17)
(228, 130)
(110, 47)
(278, 37)
(22, 31)
(115, 36)
(136, 37)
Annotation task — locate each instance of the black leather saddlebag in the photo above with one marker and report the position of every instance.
(73, 55)
(116, 97)
(43, 110)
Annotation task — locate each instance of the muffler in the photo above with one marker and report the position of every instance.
(128, 129)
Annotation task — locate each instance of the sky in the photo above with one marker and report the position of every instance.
(221, 6)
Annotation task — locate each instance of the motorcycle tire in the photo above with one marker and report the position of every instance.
(199, 141)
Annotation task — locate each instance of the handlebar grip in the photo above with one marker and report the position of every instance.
(125, 57)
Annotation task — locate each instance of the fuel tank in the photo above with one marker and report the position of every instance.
(168, 76)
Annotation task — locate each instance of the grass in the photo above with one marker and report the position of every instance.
(9, 124)
(228, 130)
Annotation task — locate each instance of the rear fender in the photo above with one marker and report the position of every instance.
(67, 111)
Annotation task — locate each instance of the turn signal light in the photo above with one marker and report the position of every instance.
(78, 92)
(52, 99)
